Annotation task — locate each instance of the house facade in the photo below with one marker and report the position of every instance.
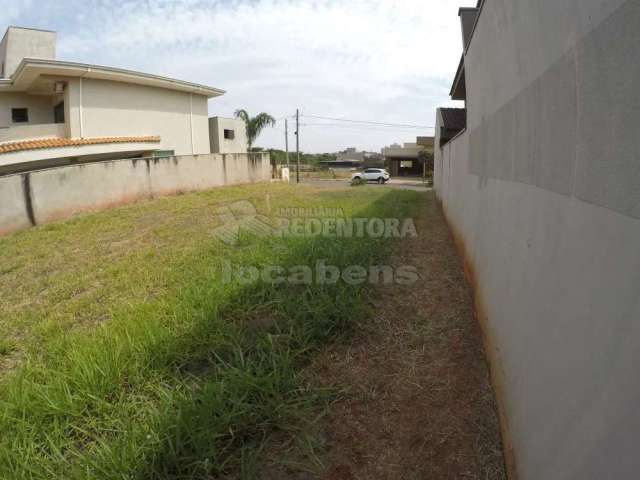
(403, 160)
(54, 112)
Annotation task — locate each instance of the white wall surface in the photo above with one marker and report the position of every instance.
(121, 109)
(544, 190)
(219, 144)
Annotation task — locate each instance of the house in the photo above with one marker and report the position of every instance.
(227, 135)
(403, 160)
(369, 159)
(351, 158)
(350, 154)
(54, 112)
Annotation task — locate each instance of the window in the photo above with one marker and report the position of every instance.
(58, 113)
(19, 115)
(229, 134)
(406, 164)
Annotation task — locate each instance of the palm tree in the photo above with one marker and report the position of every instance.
(255, 125)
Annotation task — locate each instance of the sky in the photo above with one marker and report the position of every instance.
(387, 61)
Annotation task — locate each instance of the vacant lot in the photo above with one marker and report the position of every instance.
(124, 354)
(127, 350)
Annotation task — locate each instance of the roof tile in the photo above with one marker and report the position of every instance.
(10, 147)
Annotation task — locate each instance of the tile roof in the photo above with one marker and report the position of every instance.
(454, 118)
(40, 143)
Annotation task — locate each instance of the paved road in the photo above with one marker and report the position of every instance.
(398, 183)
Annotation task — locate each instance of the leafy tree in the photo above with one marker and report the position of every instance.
(255, 125)
(279, 157)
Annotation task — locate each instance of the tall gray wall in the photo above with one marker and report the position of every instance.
(47, 195)
(543, 190)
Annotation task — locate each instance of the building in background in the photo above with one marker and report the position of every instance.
(351, 158)
(405, 160)
(227, 135)
(350, 154)
(54, 112)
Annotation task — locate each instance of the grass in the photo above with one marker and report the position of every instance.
(126, 356)
(6, 347)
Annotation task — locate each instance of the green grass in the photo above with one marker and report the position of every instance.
(130, 358)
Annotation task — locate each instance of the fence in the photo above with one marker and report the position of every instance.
(42, 196)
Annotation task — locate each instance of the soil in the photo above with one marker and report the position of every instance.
(416, 398)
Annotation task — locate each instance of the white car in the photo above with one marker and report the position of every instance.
(379, 175)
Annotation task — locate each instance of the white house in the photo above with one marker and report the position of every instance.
(54, 112)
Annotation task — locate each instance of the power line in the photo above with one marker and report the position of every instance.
(349, 120)
(365, 127)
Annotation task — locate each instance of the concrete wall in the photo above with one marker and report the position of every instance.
(219, 144)
(19, 43)
(48, 195)
(543, 191)
(101, 108)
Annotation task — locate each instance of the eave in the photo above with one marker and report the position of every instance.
(32, 68)
(459, 89)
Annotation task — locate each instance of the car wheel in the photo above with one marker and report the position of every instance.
(381, 181)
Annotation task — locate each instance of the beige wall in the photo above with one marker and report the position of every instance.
(23, 131)
(19, 43)
(121, 109)
(219, 144)
(58, 193)
(40, 108)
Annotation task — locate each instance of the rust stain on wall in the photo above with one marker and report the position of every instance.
(490, 346)
(65, 213)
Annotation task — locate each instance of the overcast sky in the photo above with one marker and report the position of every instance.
(389, 61)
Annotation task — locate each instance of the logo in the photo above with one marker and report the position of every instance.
(238, 217)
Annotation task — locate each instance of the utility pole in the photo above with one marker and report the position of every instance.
(286, 141)
(297, 146)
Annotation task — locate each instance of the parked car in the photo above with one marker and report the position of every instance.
(379, 175)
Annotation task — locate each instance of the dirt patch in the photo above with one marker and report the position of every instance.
(416, 398)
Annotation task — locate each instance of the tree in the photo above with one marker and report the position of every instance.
(426, 158)
(255, 125)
